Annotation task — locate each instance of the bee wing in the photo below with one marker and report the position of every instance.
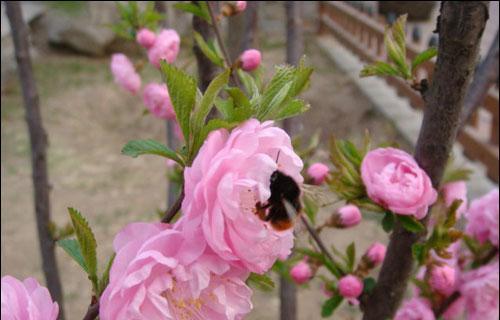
(320, 195)
(290, 210)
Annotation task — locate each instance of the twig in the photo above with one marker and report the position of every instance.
(227, 59)
(446, 304)
(316, 238)
(170, 213)
(92, 311)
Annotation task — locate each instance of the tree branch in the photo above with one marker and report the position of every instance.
(316, 238)
(38, 141)
(206, 69)
(461, 25)
(171, 212)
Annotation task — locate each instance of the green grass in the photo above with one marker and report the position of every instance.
(72, 8)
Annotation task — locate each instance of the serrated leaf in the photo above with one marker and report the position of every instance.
(276, 91)
(87, 242)
(103, 282)
(239, 98)
(410, 224)
(451, 213)
(194, 9)
(225, 107)
(136, 148)
(72, 248)
(301, 78)
(388, 221)
(291, 109)
(249, 83)
(456, 174)
(351, 256)
(182, 89)
(423, 56)
(379, 68)
(261, 282)
(207, 51)
(330, 305)
(273, 104)
(398, 32)
(396, 55)
(419, 252)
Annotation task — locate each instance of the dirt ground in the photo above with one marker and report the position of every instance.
(88, 119)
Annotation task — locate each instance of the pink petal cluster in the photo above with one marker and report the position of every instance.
(442, 279)
(145, 38)
(453, 191)
(482, 218)
(480, 291)
(301, 272)
(165, 47)
(376, 253)
(124, 73)
(415, 309)
(318, 172)
(157, 100)
(241, 6)
(350, 287)
(228, 177)
(26, 300)
(395, 181)
(159, 274)
(250, 59)
(348, 216)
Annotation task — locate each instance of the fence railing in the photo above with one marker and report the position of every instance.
(363, 34)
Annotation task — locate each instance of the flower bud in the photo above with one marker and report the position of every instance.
(301, 272)
(350, 287)
(250, 59)
(375, 254)
(345, 217)
(318, 172)
(146, 38)
(241, 6)
(442, 279)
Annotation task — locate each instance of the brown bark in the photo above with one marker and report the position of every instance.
(288, 299)
(206, 69)
(250, 28)
(38, 141)
(460, 28)
(485, 75)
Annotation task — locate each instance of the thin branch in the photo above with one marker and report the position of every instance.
(172, 211)
(316, 238)
(218, 35)
(446, 304)
(92, 312)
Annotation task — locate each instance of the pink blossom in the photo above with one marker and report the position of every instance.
(166, 47)
(26, 300)
(318, 172)
(482, 218)
(395, 181)
(230, 174)
(157, 100)
(350, 287)
(146, 38)
(442, 279)
(376, 253)
(415, 309)
(455, 310)
(250, 59)
(453, 191)
(159, 274)
(347, 216)
(241, 6)
(124, 73)
(301, 272)
(480, 290)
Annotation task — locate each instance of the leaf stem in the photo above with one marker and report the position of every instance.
(172, 211)
(316, 238)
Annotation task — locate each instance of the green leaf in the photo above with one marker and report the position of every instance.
(351, 256)
(103, 282)
(249, 83)
(276, 90)
(456, 174)
(194, 9)
(379, 68)
(136, 148)
(182, 89)
(261, 281)
(209, 53)
(225, 107)
(451, 213)
(210, 126)
(72, 248)
(277, 99)
(410, 224)
(301, 78)
(330, 305)
(239, 98)
(368, 285)
(291, 109)
(388, 221)
(423, 56)
(398, 32)
(87, 243)
(419, 251)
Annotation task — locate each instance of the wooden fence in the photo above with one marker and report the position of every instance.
(363, 34)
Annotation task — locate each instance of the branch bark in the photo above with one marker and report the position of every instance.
(460, 28)
(206, 69)
(38, 141)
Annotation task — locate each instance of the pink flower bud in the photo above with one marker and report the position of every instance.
(453, 191)
(350, 287)
(318, 172)
(348, 216)
(301, 272)
(145, 38)
(250, 59)
(166, 47)
(482, 218)
(442, 279)
(157, 100)
(416, 308)
(124, 73)
(376, 253)
(241, 6)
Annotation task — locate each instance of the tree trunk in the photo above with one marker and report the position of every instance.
(250, 28)
(206, 69)
(235, 34)
(485, 75)
(38, 140)
(288, 299)
(460, 28)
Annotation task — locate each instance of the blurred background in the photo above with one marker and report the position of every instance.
(88, 119)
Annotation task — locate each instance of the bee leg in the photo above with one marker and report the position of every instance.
(260, 210)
